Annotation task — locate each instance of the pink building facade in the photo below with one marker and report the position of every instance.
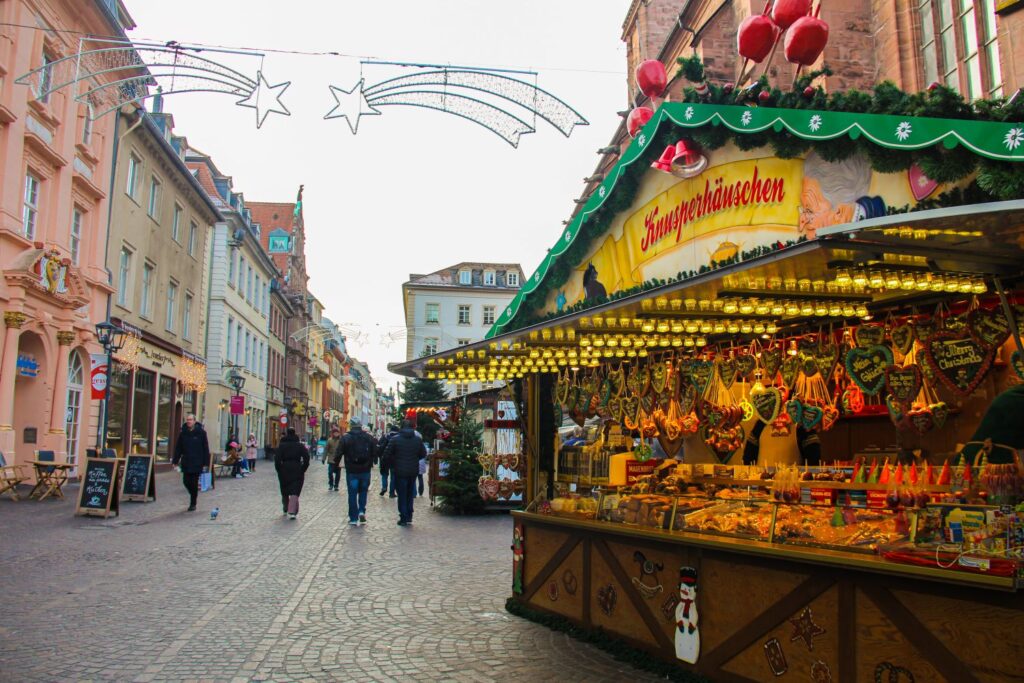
(54, 187)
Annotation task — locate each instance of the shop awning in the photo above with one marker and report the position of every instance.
(850, 271)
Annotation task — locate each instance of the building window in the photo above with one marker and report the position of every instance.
(124, 271)
(142, 411)
(512, 279)
(465, 277)
(30, 212)
(928, 48)
(176, 223)
(433, 314)
(463, 314)
(429, 346)
(231, 340)
(154, 198)
(991, 49)
(186, 317)
(248, 283)
(488, 315)
(239, 359)
(146, 308)
(45, 78)
(464, 342)
(134, 164)
(245, 358)
(489, 278)
(172, 301)
(192, 228)
(231, 267)
(956, 57)
(258, 293)
(75, 243)
(461, 389)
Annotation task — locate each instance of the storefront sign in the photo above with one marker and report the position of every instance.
(635, 469)
(27, 365)
(98, 375)
(237, 405)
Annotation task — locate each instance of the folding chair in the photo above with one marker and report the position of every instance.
(11, 476)
(50, 480)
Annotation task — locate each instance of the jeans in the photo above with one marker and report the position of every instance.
(406, 487)
(333, 475)
(191, 482)
(419, 482)
(384, 482)
(358, 484)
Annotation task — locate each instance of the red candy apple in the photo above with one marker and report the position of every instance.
(755, 37)
(785, 12)
(805, 40)
(651, 78)
(637, 118)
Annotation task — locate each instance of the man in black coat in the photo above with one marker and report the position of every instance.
(358, 450)
(291, 464)
(384, 467)
(192, 451)
(403, 454)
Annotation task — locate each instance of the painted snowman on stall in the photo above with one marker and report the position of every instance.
(687, 634)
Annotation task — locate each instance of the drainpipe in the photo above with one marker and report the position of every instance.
(102, 422)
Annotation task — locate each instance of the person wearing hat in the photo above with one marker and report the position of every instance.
(333, 458)
(358, 449)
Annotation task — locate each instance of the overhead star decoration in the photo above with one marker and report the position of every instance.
(265, 99)
(350, 105)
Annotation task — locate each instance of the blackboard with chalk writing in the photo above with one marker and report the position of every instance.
(98, 495)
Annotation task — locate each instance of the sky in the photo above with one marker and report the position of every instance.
(415, 190)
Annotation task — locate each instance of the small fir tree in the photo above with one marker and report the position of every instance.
(458, 490)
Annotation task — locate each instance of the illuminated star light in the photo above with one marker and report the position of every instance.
(270, 100)
(350, 105)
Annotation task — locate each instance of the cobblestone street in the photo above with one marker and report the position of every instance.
(160, 594)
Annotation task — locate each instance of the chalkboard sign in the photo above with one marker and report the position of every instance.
(99, 488)
(138, 482)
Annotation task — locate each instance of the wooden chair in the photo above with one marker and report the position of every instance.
(49, 480)
(11, 476)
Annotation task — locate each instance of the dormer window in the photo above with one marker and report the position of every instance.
(465, 277)
(489, 278)
(512, 279)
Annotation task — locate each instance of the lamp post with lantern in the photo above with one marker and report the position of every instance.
(112, 338)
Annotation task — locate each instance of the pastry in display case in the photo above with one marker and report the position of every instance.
(740, 519)
(848, 528)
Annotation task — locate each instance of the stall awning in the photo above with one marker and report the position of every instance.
(850, 271)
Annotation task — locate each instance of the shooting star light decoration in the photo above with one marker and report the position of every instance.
(107, 74)
(487, 97)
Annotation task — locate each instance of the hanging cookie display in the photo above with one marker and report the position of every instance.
(958, 360)
(902, 337)
(903, 383)
(771, 361)
(869, 335)
(990, 327)
(866, 365)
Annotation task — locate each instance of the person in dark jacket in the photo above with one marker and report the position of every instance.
(291, 464)
(384, 468)
(403, 454)
(192, 451)
(358, 450)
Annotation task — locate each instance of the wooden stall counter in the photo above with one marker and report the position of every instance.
(754, 611)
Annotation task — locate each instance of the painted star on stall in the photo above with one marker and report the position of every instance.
(350, 105)
(265, 98)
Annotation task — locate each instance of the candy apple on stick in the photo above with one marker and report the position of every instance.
(805, 40)
(651, 78)
(756, 37)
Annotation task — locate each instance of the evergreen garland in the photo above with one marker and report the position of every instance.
(458, 489)
(601, 640)
(996, 180)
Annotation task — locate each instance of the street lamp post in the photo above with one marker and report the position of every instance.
(237, 381)
(111, 338)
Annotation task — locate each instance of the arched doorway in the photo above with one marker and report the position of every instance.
(73, 406)
(32, 396)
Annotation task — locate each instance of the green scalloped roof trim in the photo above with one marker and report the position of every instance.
(993, 140)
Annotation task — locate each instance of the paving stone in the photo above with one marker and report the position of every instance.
(253, 596)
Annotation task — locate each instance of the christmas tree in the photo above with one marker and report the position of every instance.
(458, 488)
(419, 390)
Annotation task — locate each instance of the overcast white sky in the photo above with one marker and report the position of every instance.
(415, 190)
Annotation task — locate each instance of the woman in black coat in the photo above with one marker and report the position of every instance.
(291, 464)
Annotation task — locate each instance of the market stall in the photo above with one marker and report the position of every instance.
(780, 337)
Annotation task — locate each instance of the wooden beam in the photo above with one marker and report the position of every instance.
(570, 543)
(587, 580)
(933, 649)
(638, 603)
(847, 630)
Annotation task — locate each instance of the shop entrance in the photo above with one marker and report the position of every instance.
(31, 419)
(73, 409)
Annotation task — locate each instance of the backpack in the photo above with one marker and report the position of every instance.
(360, 449)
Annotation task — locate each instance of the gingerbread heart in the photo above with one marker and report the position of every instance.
(727, 371)
(852, 400)
(955, 323)
(767, 404)
(795, 410)
(688, 398)
(811, 417)
(745, 365)
(866, 367)
(921, 186)
(958, 360)
(700, 373)
(659, 378)
(772, 361)
(790, 369)
(940, 411)
(990, 327)
(904, 384)
(896, 411)
(920, 420)
(639, 381)
(827, 357)
(924, 329)
(809, 366)
(902, 338)
(869, 335)
(829, 415)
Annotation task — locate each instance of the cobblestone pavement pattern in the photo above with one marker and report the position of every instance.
(161, 594)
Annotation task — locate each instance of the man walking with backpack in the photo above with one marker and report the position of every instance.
(403, 454)
(357, 449)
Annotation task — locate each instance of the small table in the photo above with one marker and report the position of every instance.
(50, 478)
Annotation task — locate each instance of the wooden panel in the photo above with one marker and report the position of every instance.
(541, 544)
(800, 658)
(660, 603)
(624, 619)
(567, 590)
(878, 641)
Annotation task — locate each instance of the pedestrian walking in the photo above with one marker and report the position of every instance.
(357, 449)
(404, 453)
(422, 471)
(333, 459)
(291, 464)
(250, 451)
(191, 454)
(385, 470)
